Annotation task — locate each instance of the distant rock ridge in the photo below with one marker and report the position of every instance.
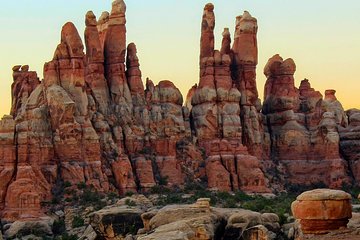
(93, 120)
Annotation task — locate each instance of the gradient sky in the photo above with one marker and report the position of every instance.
(322, 36)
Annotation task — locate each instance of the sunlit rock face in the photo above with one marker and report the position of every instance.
(302, 127)
(320, 211)
(216, 105)
(93, 120)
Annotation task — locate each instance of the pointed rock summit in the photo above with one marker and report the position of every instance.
(92, 121)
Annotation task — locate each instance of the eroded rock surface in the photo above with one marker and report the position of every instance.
(216, 105)
(199, 221)
(322, 210)
(303, 128)
(350, 142)
(93, 120)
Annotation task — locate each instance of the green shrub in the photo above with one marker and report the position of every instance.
(160, 190)
(194, 186)
(59, 227)
(280, 205)
(81, 185)
(91, 197)
(77, 222)
(112, 195)
(67, 184)
(55, 200)
(66, 236)
(146, 151)
(129, 194)
(130, 202)
(300, 188)
(163, 181)
(170, 198)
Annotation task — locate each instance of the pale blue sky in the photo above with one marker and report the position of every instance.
(322, 36)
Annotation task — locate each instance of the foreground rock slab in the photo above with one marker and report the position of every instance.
(116, 222)
(199, 221)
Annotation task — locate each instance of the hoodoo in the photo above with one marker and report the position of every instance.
(92, 120)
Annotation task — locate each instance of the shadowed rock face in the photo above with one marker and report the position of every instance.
(350, 142)
(93, 120)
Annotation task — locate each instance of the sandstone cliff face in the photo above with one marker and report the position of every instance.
(215, 109)
(303, 128)
(92, 120)
(350, 142)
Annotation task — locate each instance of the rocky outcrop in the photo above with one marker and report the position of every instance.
(200, 221)
(322, 210)
(93, 120)
(41, 227)
(245, 59)
(302, 127)
(7, 155)
(215, 110)
(116, 222)
(25, 82)
(350, 142)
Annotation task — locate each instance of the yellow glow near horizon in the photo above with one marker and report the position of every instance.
(320, 36)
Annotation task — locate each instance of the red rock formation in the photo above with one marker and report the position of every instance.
(23, 197)
(207, 41)
(331, 104)
(92, 121)
(226, 42)
(7, 155)
(322, 210)
(133, 72)
(304, 138)
(245, 57)
(36, 170)
(25, 82)
(215, 113)
(350, 143)
(94, 74)
(102, 26)
(114, 51)
(75, 140)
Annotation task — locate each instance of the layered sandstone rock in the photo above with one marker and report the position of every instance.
(350, 142)
(7, 155)
(331, 104)
(75, 140)
(304, 136)
(207, 41)
(93, 120)
(116, 222)
(245, 58)
(322, 210)
(215, 109)
(25, 82)
(36, 170)
(200, 221)
(94, 74)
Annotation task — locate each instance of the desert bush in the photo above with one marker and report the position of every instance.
(59, 227)
(77, 222)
